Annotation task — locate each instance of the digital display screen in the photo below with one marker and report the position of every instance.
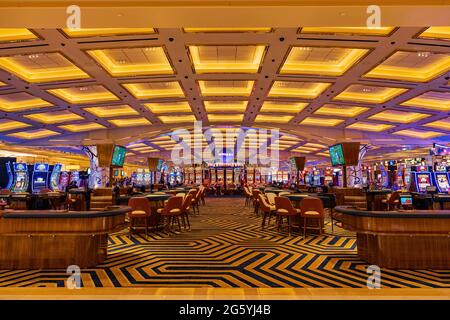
(337, 155)
(118, 158)
(423, 181)
(20, 167)
(406, 200)
(159, 166)
(442, 182)
(40, 167)
(293, 164)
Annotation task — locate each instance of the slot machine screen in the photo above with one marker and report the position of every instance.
(406, 200)
(423, 181)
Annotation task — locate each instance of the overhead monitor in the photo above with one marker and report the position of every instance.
(118, 157)
(337, 155)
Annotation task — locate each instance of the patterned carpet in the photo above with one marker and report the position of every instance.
(228, 248)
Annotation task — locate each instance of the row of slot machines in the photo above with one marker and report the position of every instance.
(33, 178)
(423, 179)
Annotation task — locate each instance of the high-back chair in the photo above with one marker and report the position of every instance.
(180, 194)
(284, 208)
(255, 196)
(283, 193)
(393, 201)
(203, 194)
(312, 209)
(267, 209)
(185, 210)
(140, 209)
(248, 196)
(195, 200)
(171, 210)
(329, 201)
(271, 197)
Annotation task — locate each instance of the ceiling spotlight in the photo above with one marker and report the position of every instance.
(33, 56)
(423, 54)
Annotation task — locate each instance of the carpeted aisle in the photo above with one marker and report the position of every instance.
(228, 248)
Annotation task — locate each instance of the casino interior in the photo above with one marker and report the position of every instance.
(234, 157)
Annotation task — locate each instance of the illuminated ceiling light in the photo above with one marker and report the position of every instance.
(130, 122)
(112, 111)
(226, 88)
(93, 32)
(135, 61)
(269, 118)
(52, 117)
(314, 145)
(340, 110)
(433, 100)
(225, 106)
(2, 84)
(169, 107)
(321, 60)
(322, 122)
(42, 67)
(291, 89)
(411, 66)
(9, 34)
(282, 107)
(398, 116)
(225, 117)
(177, 119)
(226, 30)
(80, 127)
(7, 125)
(83, 95)
(34, 134)
(443, 124)
(368, 126)
(152, 90)
(227, 58)
(379, 31)
(359, 93)
(436, 33)
(419, 134)
(16, 102)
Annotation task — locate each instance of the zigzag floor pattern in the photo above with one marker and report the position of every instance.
(228, 248)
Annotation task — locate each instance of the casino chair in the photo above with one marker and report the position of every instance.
(172, 210)
(271, 198)
(255, 196)
(392, 202)
(329, 201)
(248, 196)
(185, 210)
(140, 209)
(267, 209)
(283, 193)
(284, 208)
(312, 209)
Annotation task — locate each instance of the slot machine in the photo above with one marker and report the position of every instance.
(328, 176)
(54, 177)
(39, 179)
(146, 178)
(441, 178)
(20, 177)
(75, 176)
(421, 178)
(64, 180)
(316, 177)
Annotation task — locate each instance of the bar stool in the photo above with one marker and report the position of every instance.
(255, 194)
(185, 210)
(267, 209)
(172, 210)
(312, 208)
(140, 209)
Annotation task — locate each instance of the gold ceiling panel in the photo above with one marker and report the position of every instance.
(95, 32)
(7, 125)
(177, 119)
(283, 107)
(226, 88)
(52, 117)
(302, 90)
(124, 62)
(398, 116)
(225, 117)
(22, 101)
(411, 66)
(321, 122)
(169, 107)
(154, 90)
(42, 67)
(112, 111)
(34, 134)
(326, 61)
(315, 145)
(369, 94)
(84, 95)
(443, 124)
(340, 110)
(273, 119)
(19, 34)
(436, 33)
(369, 126)
(2, 84)
(226, 30)
(433, 100)
(419, 134)
(381, 31)
(226, 106)
(82, 127)
(130, 122)
(227, 59)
